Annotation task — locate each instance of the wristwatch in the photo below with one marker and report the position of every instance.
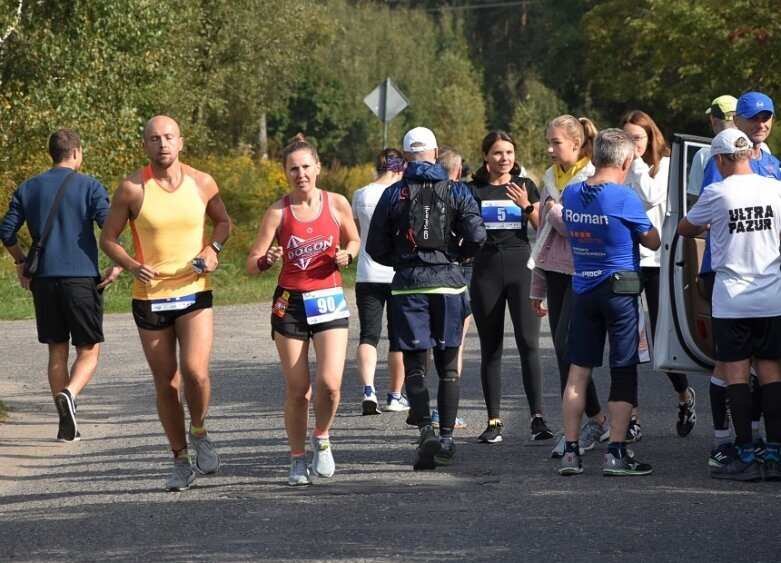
(528, 209)
(216, 246)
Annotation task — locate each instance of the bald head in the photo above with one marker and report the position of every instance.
(161, 121)
(162, 141)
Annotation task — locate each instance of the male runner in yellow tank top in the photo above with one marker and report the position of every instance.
(167, 203)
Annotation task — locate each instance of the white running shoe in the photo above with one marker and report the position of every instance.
(323, 460)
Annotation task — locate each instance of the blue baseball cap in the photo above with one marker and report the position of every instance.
(751, 103)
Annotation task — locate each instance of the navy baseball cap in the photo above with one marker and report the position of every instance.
(752, 103)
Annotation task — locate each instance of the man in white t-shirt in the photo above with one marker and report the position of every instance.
(372, 291)
(744, 215)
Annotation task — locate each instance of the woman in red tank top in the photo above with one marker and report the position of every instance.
(315, 235)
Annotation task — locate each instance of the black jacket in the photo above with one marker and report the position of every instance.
(422, 269)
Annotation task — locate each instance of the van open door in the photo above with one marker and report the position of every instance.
(683, 341)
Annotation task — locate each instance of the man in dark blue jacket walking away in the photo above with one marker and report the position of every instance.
(416, 229)
(67, 287)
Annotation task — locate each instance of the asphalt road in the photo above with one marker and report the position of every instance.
(102, 500)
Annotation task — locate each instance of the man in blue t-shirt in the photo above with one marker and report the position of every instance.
(605, 222)
(753, 116)
(67, 287)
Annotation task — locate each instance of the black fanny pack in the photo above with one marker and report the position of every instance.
(626, 282)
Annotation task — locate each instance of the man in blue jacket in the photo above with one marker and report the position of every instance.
(67, 287)
(416, 229)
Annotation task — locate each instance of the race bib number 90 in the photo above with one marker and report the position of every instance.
(325, 305)
(501, 214)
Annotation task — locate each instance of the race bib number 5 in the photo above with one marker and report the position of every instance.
(325, 305)
(501, 214)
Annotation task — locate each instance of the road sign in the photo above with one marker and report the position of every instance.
(386, 102)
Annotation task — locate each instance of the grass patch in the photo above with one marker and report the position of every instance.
(232, 286)
(3, 412)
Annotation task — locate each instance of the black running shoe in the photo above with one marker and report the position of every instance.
(446, 453)
(687, 417)
(625, 466)
(411, 420)
(67, 410)
(722, 455)
(428, 446)
(492, 433)
(540, 430)
(61, 436)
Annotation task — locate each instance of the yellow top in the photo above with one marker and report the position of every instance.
(168, 234)
(564, 177)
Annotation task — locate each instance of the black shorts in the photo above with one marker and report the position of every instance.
(294, 324)
(735, 340)
(68, 308)
(151, 320)
(371, 299)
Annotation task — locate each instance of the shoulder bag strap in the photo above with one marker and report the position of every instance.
(55, 208)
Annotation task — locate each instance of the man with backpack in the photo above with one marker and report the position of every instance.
(416, 229)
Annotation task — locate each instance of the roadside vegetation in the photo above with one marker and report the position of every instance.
(243, 77)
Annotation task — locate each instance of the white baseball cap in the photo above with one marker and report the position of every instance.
(419, 139)
(730, 141)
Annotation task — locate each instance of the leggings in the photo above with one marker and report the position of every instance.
(559, 290)
(651, 287)
(501, 278)
(448, 394)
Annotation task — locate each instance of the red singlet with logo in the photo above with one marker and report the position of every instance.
(308, 261)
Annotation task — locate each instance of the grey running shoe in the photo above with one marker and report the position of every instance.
(772, 462)
(722, 455)
(633, 432)
(396, 405)
(591, 434)
(738, 470)
(323, 460)
(446, 453)
(558, 449)
(182, 476)
(624, 467)
(428, 446)
(66, 407)
(299, 472)
(207, 460)
(570, 464)
(772, 470)
(687, 417)
(369, 404)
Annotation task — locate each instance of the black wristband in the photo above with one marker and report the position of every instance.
(349, 258)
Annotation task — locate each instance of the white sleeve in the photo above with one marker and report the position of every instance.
(694, 183)
(652, 191)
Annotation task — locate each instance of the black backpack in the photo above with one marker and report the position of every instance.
(429, 214)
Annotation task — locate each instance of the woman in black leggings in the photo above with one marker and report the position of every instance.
(508, 203)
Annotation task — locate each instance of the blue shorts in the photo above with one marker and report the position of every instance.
(427, 320)
(599, 313)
